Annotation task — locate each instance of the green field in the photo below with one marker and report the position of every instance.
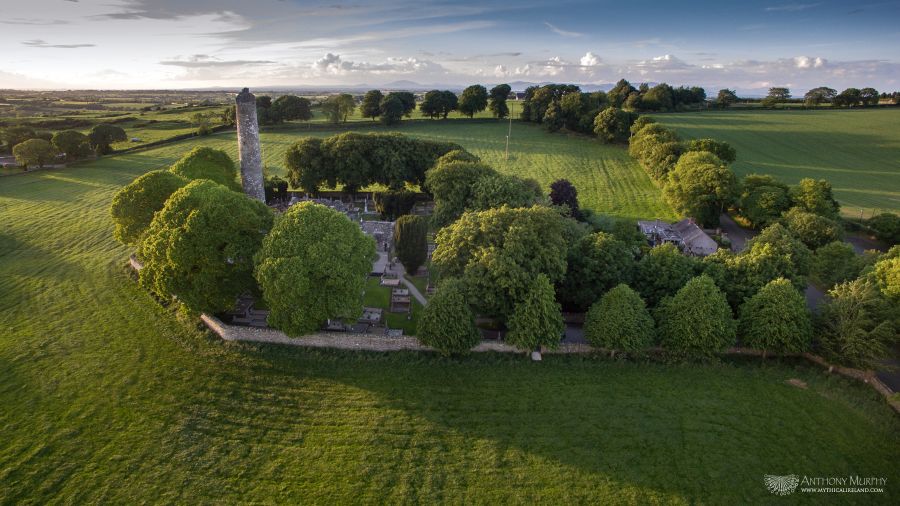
(857, 150)
(108, 397)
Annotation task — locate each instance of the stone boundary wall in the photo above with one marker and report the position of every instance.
(371, 342)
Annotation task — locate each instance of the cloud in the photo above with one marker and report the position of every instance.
(807, 62)
(560, 31)
(333, 64)
(791, 7)
(33, 22)
(41, 44)
(590, 60)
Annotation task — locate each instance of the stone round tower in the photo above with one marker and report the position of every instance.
(248, 145)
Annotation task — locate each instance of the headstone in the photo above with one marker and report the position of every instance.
(248, 145)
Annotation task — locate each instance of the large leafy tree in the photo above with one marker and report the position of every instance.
(407, 99)
(200, 246)
(776, 319)
(814, 230)
(497, 103)
(662, 271)
(34, 152)
(725, 98)
(596, 264)
(537, 320)
(837, 262)
(438, 104)
(134, 205)
(292, 107)
(391, 110)
(473, 100)
(371, 104)
(696, 323)
(855, 325)
(495, 190)
(701, 186)
(452, 184)
(411, 241)
(447, 323)
(886, 227)
(339, 107)
(312, 267)
(17, 134)
(613, 125)
(207, 163)
(887, 275)
(721, 149)
(499, 252)
(103, 135)
(656, 147)
(620, 321)
(763, 200)
(816, 197)
(820, 95)
(73, 144)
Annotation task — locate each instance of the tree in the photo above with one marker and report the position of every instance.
(659, 98)
(200, 246)
(407, 99)
(312, 267)
(657, 148)
(202, 122)
(17, 134)
(620, 92)
(815, 197)
(725, 98)
(447, 323)
(763, 200)
(775, 96)
(292, 107)
(819, 95)
(642, 121)
(868, 96)
(854, 325)
(536, 321)
(776, 319)
(887, 275)
(73, 144)
(391, 110)
(496, 190)
(499, 252)
(339, 107)
(411, 241)
(207, 163)
(620, 321)
(886, 227)
(438, 104)
(452, 185)
(371, 104)
(613, 125)
(134, 205)
(701, 186)
(34, 152)
(836, 262)
(814, 230)
(662, 271)
(473, 100)
(596, 264)
(848, 98)
(563, 193)
(393, 204)
(275, 189)
(498, 98)
(721, 149)
(696, 323)
(103, 135)
(306, 164)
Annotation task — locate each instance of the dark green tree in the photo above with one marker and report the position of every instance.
(613, 125)
(473, 100)
(103, 135)
(661, 272)
(73, 144)
(776, 319)
(596, 264)
(536, 321)
(497, 104)
(411, 241)
(620, 321)
(292, 107)
(814, 230)
(696, 323)
(855, 325)
(371, 104)
(391, 110)
(447, 323)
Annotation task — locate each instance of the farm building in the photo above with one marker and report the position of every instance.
(685, 234)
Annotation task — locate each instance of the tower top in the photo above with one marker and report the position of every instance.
(245, 96)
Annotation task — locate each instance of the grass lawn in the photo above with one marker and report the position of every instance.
(380, 296)
(857, 150)
(107, 397)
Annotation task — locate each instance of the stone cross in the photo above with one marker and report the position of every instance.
(248, 145)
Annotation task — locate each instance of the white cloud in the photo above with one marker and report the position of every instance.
(590, 60)
(807, 62)
(795, 7)
(559, 31)
(333, 64)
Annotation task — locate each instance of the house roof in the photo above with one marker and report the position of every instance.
(695, 239)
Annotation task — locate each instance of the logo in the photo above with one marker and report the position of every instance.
(782, 485)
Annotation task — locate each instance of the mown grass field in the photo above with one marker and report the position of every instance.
(857, 150)
(107, 397)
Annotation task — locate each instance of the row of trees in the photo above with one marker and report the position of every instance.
(206, 244)
(356, 160)
(32, 147)
(273, 112)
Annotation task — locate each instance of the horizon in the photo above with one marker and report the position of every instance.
(141, 44)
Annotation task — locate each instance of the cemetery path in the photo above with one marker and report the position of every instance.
(414, 291)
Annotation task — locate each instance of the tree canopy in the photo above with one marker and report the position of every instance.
(613, 125)
(536, 320)
(776, 319)
(199, 247)
(447, 323)
(338, 107)
(34, 152)
(312, 267)
(620, 321)
(207, 163)
(696, 323)
(135, 204)
(763, 200)
(473, 100)
(498, 96)
(854, 325)
(411, 241)
(371, 104)
(701, 186)
(72, 143)
(816, 197)
(103, 135)
(292, 107)
(814, 230)
(438, 104)
(596, 263)
(662, 271)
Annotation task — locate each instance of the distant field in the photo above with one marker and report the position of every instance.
(607, 179)
(857, 150)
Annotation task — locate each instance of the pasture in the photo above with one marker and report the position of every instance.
(110, 398)
(857, 150)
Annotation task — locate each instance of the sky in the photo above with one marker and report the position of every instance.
(152, 44)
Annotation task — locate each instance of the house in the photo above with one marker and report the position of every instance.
(685, 234)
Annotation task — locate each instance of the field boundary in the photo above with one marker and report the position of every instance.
(372, 342)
